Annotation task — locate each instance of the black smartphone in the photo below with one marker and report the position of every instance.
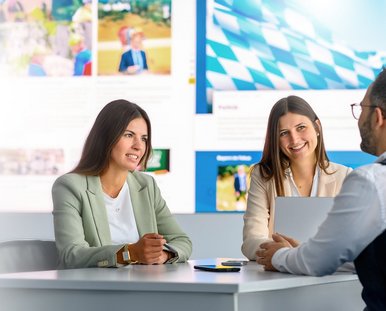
(234, 263)
(216, 268)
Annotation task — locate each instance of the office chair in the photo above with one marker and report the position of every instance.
(27, 255)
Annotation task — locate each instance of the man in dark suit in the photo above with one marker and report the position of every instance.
(134, 60)
(240, 183)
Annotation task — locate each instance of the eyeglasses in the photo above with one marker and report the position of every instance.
(356, 109)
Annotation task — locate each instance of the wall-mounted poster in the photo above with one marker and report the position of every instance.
(41, 38)
(252, 53)
(222, 180)
(46, 110)
(134, 37)
(287, 45)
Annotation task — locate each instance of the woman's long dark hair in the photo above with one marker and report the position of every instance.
(274, 162)
(108, 128)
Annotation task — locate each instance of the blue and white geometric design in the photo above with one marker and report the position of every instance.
(265, 44)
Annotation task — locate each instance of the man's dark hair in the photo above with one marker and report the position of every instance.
(378, 92)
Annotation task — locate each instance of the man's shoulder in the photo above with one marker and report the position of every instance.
(126, 54)
(370, 172)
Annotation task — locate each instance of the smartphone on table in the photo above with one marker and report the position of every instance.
(216, 268)
(235, 263)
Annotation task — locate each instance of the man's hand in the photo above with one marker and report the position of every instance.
(293, 242)
(268, 249)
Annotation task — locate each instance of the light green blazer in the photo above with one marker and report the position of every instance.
(81, 225)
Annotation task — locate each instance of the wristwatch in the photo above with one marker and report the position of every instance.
(126, 255)
(170, 249)
(172, 259)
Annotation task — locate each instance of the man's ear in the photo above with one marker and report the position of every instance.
(379, 118)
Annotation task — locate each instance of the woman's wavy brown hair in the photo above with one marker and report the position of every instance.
(274, 162)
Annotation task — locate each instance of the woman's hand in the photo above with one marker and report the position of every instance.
(149, 249)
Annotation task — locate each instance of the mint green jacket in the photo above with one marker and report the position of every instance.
(81, 225)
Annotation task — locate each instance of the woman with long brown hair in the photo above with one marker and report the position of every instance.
(106, 212)
(294, 163)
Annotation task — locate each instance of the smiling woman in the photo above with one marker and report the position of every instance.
(294, 163)
(106, 212)
(299, 139)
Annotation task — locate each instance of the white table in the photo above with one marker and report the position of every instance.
(176, 287)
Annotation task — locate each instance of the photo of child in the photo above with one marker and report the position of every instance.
(231, 187)
(134, 37)
(37, 37)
